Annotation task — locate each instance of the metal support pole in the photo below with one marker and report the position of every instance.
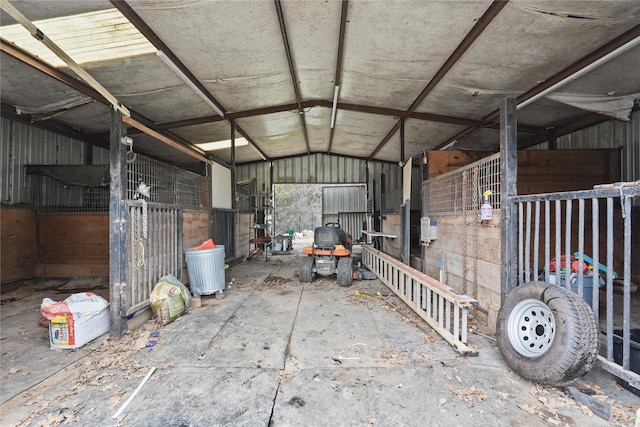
(509, 172)
(401, 141)
(118, 228)
(233, 164)
(405, 236)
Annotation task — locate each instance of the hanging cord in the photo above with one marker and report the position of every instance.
(620, 186)
(143, 190)
(140, 263)
(143, 202)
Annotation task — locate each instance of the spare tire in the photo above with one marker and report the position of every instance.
(547, 334)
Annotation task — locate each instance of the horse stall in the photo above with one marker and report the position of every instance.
(61, 233)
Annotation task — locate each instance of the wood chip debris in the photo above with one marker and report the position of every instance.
(102, 369)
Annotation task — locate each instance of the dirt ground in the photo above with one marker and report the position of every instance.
(275, 352)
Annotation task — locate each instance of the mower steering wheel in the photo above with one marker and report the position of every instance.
(333, 224)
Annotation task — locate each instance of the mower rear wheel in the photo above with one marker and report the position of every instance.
(306, 270)
(345, 271)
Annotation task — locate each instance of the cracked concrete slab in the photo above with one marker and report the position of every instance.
(277, 352)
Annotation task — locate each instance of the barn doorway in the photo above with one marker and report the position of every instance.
(303, 207)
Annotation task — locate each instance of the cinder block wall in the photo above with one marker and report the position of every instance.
(471, 259)
(392, 225)
(470, 253)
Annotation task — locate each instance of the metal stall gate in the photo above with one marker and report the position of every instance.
(599, 233)
(155, 249)
(222, 230)
(157, 194)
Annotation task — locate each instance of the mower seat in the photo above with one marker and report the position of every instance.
(326, 237)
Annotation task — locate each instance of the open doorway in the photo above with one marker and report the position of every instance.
(300, 208)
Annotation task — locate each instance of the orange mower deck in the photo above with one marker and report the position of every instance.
(339, 250)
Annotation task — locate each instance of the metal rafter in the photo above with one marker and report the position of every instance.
(342, 106)
(156, 41)
(9, 112)
(292, 71)
(12, 11)
(556, 78)
(339, 61)
(484, 21)
(82, 87)
(587, 121)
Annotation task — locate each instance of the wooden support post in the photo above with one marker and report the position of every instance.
(508, 188)
(118, 228)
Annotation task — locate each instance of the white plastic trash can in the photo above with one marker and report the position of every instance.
(206, 270)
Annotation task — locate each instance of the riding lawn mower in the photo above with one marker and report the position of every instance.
(330, 253)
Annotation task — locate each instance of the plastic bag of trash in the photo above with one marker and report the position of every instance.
(169, 299)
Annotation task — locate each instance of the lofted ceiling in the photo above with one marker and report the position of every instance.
(394, 78)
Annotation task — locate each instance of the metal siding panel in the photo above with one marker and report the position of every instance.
(5, 159)
(320, 169)
(343, 199)
(352, 223)
(632, 150)
(33, 145)
(100, 156)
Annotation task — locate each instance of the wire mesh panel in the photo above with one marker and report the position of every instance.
(51, 196)
(223, 227)
(166, 184)
(73, 188)
(460, 192)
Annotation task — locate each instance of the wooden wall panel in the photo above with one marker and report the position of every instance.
(441, 162)
(18, 243)
(543, 171)
(195, 230)
(73, 245)
(551, 171)
(244, 233)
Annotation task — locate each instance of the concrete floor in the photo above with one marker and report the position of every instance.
(274, 352)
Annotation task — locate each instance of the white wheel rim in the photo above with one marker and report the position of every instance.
(531, 328)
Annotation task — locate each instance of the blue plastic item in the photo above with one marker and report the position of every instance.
(601, 267)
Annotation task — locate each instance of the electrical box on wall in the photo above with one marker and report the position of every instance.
(428, 230)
